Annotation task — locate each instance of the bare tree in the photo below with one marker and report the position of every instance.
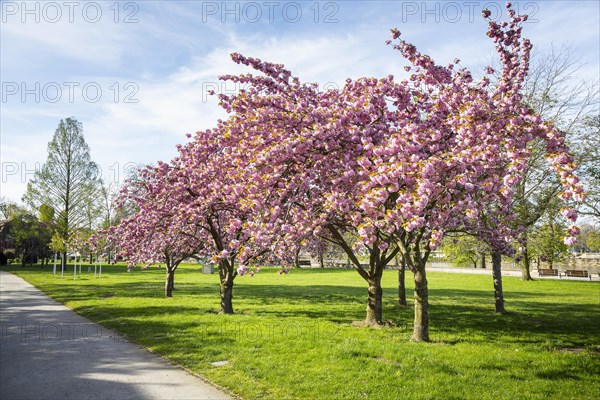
(554, 90)
(588, 146)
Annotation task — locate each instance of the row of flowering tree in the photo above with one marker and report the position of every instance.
(394, 165)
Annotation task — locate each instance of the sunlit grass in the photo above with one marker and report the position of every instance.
(292, 338)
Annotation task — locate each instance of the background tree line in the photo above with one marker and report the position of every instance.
(553, 89)
(64, 204)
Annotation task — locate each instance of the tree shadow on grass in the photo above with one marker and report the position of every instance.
(473, 319)
(465, 315)
(91, 291)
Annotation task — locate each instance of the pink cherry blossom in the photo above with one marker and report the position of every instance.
(379, 165)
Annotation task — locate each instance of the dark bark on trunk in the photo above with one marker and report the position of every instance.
(226, 275)
(372, 275)
(226, 271)
(497, 276)
(297, 258)
(526, 261)
(483, 263)
(227, 297)
(421, 324)
(526, 266)
(401, 284)
(374, 302)
(63, 261)
(321, 262)
(169, 282)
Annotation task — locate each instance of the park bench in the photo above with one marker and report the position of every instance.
(548, 272)
(575, 273)
(337, 264)
(304, 263)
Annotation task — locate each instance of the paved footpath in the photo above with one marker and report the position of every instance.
(47, 351)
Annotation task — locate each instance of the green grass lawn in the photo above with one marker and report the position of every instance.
(292, 338)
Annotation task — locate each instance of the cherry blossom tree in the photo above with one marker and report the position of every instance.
(190, 206)
(381, 167)
(158, 232)
(396, 164)
(205, 182)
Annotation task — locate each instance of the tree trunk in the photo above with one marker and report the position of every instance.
(297, 258)
(526, 259)
(497, 276)
(374, 302)
(483, 264)
(227, 297)
(401, 284)
(63, 260)
(169, 282)
(226, 275)
(550, 263)
(321, 261)
(526, 266)
(421, 324)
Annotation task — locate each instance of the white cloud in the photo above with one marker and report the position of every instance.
(173, 57)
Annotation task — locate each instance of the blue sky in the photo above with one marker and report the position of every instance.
(137, 73)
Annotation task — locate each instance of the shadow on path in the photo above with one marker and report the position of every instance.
(49, 352)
